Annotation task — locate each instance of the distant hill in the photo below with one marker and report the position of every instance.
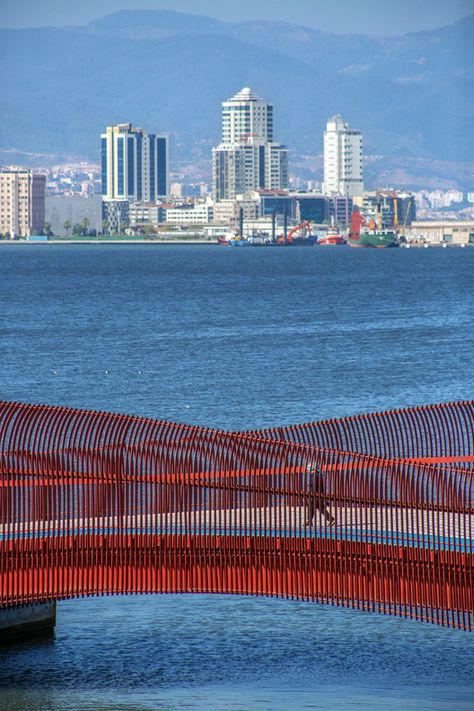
(412, 96)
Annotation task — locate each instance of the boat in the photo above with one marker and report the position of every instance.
(332, 236)
(233, 240)
(299, 236)
(370, 234)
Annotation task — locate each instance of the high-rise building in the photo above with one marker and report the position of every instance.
(22, 202)
(134, 164)
(246, 116)
(135, 168)
(342, 159)
(248, 158)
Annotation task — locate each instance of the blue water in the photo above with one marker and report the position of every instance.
(235, 339)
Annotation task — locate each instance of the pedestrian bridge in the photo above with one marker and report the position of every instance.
(95, 503)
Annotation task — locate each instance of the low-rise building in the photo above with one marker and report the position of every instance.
(223, 211)
(115, 215)
(71, 210)
(198, 213)
(143, 214)
(457, 232)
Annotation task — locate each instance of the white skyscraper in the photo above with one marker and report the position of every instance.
(342, 159)
(246, 116)
(247, 158)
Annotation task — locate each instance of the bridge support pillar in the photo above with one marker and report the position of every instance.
(26, 621)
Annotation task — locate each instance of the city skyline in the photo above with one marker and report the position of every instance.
(172, 70)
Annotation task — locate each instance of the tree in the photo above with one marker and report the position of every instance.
(77, 230)
(85, 226)
(47, 229)
(105, 227)
(148, 230)
(67, 226)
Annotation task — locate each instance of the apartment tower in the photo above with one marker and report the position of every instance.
(22, 203)
(247, 158)
(342, 159)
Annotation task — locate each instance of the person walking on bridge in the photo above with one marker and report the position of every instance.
(316, 487)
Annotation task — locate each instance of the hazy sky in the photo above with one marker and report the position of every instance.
(361, 16)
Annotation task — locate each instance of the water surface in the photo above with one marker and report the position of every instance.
(235, 339)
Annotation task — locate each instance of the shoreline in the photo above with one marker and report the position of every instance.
(203, 242)
(109, 241)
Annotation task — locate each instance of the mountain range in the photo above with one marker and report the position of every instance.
(412, 96)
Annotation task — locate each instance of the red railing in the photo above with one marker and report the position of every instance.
(96, 503)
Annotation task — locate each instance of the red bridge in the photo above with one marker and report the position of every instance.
(94, 503)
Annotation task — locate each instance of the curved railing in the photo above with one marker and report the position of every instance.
(96, 503)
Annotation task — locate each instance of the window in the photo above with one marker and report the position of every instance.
(120, 176)
(130, 166)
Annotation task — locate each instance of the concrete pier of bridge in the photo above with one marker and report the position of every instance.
(27, 621)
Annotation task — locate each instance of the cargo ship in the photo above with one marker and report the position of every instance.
(370, 234)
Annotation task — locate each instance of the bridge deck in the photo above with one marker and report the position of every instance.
(390, 526)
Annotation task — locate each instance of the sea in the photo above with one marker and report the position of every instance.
(237, 339)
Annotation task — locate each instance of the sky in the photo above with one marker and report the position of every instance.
(340, 16)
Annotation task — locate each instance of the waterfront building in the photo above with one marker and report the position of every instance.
(115, 215)
(134, 164)
(307, 207)
(456, 232)
(279, 202)
(22, 202)
(142, 214)
(247, 158)
(297, 206)
(73, 209)
(340, 210)
(198, 213)
(311, 207)
(223, 211)
(342, 159)
(134, 167)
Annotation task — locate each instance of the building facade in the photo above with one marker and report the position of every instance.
(246, 116)
(144, 214)
(247, 158)
(73, 210)
(342, 159)
(22, 203)
(200, 213)
(134, 164)
(456, 232)
(135, 168)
